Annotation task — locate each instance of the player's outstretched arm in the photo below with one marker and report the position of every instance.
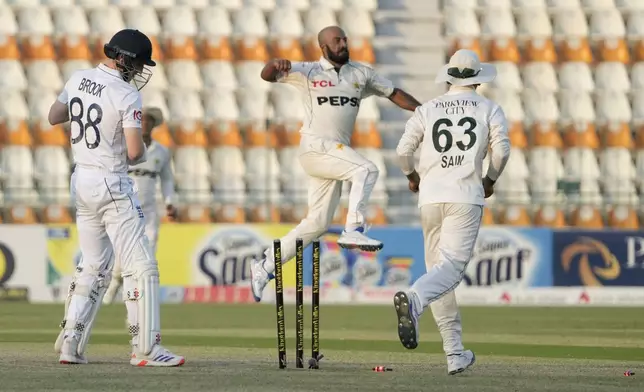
(404, 100)
(58, 113)
(274, 68)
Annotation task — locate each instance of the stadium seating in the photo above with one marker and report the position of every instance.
(571, 82)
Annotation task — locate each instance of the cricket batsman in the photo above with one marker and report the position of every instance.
(455, 130)
(331, 90)
(103, 105)
(146, 175)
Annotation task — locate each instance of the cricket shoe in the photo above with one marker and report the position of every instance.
(457, 363)
(407, 320)
(68, 354)
(259, 278)
(356, 239)
(158, 357)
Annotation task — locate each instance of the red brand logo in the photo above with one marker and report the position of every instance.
(138, 116)
(322, 83)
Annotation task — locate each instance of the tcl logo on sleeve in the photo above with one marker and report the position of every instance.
(339, 101)
(138, 116)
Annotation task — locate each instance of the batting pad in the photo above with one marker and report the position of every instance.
(148, 305)
(85, 317)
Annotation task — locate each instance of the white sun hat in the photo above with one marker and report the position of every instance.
(465, 69)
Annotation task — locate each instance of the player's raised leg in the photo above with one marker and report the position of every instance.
(326, 158)
(125, 226)
(323, 199)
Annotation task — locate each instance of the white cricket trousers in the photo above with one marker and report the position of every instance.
(328, 162)
(151, 230)
(109, 216)
(450, 232)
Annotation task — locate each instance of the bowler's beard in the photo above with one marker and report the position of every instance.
(338, 58)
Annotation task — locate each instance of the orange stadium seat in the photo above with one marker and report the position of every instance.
(587, 217)
(518, 137)
(181, 48)
(50, 135)
(581, 135)
(229, 213)
(488, 216)
(546, 135)
(515, 216)
(623, 217)
(17, 132)
(216, 48)
(614, 50)
(263, 213)
(195, 214)
(56, 214)
(575, 50)
(550, 216)
(617, 135)
(293, 213)
(540, 50)
(22, 215)
(163, 135)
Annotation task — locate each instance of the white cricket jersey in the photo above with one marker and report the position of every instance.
(100, 105)
(158, 166)
(455, 130)
(332, 98)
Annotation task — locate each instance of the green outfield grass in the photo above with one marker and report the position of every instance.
(233, 348)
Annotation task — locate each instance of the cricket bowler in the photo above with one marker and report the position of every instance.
(331, 90)
(157, 168)
(453, 132)
(104, 107)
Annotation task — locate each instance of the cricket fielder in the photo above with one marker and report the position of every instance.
(104, 107)
(331, 90)
(158, 166)
(458, 127)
